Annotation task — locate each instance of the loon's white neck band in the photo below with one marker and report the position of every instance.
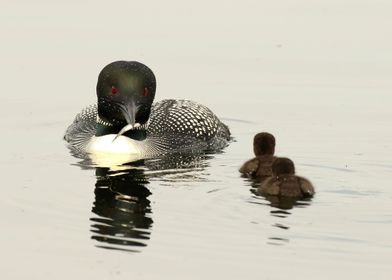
(143, 126)
(100, 121)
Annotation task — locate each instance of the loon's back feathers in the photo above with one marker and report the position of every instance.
(173, 126)
(82, 129)
(186, 124)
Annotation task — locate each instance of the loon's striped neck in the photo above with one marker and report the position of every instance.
(105, 128)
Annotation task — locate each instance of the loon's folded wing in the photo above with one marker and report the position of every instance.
(185, 125)
(79, 133)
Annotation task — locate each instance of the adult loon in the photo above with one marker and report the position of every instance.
(125, 119)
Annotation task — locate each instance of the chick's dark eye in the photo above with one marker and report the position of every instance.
(113, 90)
(145, 92)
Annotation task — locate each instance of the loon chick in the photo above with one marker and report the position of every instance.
(284, 182)
(264, 149)
(125, 120)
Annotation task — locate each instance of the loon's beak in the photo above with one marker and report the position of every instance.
(129, 113)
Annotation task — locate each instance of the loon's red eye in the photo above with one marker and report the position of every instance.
(114, 90)
(145, 93)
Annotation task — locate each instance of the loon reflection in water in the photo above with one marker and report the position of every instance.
(123, 215)
(124, 212)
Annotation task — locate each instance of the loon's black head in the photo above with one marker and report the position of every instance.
(125, 92)
(264, 144)
(283, 166)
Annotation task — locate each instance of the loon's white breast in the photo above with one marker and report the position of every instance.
(103, 151)
(106, 145)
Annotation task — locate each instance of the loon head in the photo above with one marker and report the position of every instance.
(283, 166)
(264, 144)
(125, 92)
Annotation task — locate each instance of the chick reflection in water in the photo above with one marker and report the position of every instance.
(123, 211)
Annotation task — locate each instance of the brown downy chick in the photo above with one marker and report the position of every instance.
(264, 149)
(284, 182)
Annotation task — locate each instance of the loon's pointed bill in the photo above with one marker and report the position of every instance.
(125, 93)
(129, 111)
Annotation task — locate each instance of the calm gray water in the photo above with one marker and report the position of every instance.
(316, 74)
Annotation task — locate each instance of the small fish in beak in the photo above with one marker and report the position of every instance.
(126, 128)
